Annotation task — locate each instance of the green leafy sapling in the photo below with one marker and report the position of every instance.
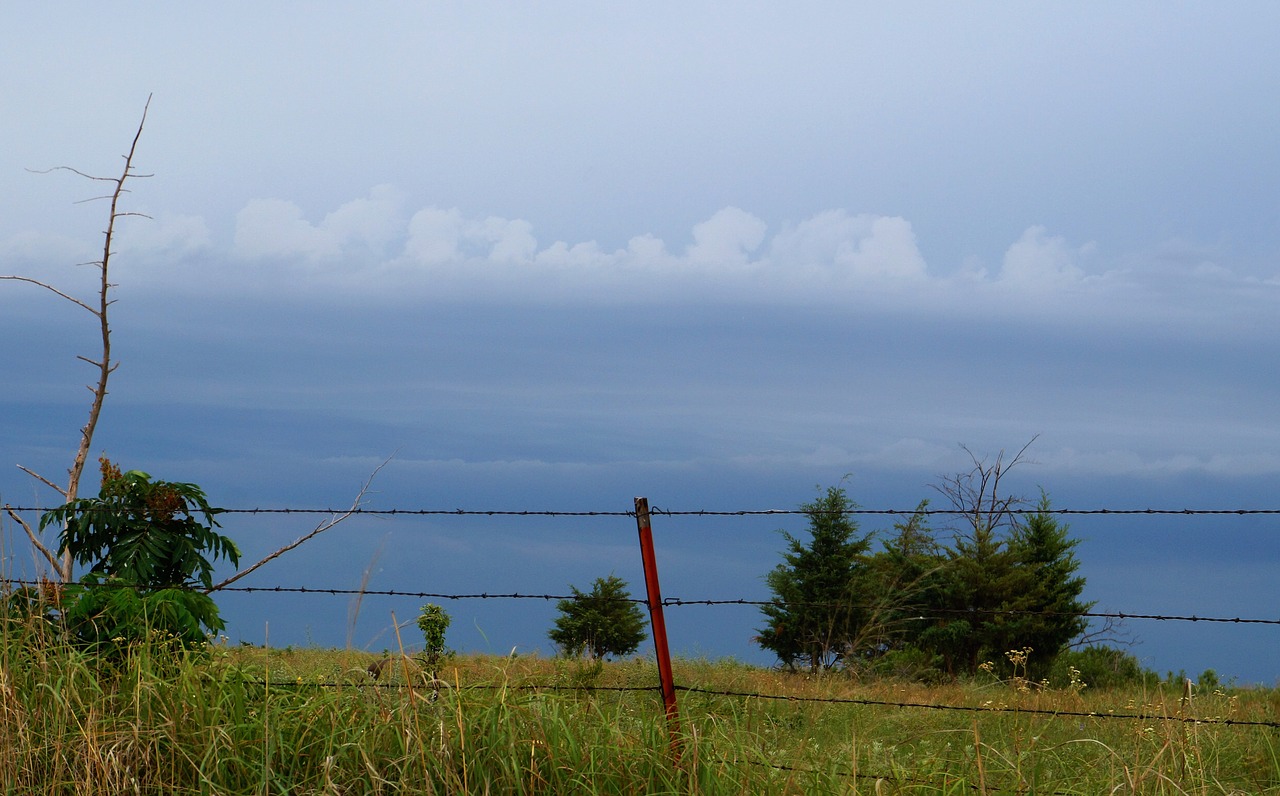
(433, 622)
(150, 547)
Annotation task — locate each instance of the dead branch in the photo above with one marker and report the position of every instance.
(51, 289)
(105, 367)
(35, 540)
(977, 495)
(43, 480)
(319, 529)
(1112, 632)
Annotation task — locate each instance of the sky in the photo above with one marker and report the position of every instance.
(555, 256)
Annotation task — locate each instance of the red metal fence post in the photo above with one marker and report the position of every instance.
(657, 623)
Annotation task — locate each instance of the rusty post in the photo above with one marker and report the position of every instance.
(657, 623)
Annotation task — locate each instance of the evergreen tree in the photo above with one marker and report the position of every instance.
(907, 576)
(818, 612)
(982, 582)
(1049, 586)
(1013, 592)
(604, 622)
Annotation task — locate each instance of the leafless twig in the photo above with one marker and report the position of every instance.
(319, 529)
(35, 540)
(977, 494)
(44, 481)
(51, 289)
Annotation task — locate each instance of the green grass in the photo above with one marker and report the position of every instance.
(257, 721)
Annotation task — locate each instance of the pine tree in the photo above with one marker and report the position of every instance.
(819, 607)
(984, 584)
(604, 622)
(981, 581)
(907, 576)
(1010, 592)
(1049, 586)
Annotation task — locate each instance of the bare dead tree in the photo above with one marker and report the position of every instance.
(1112, 631)
(977, 495)
(103, 364)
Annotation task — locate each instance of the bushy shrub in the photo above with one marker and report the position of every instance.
(150, 547)
(909, 663)
(1099, 667)
(604, 621)
(433, 622)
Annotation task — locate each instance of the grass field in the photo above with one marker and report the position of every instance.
(310, 721)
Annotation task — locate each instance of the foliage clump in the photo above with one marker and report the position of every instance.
(150, 547)
(604, 621)
(433, 621)
(817, 613)
(920, 608)
(1101, 667)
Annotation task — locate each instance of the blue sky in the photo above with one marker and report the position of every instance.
(555, 257)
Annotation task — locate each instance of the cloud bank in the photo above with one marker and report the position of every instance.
(375, 249)
(366, 245)
(373, 245)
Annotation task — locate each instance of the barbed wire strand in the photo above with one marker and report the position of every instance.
(978, 709)
(673, 602)
(459, 512)
(878, 777)
(294, 683)
(987, 788)
(676, 602)
(540, 687)
(286, 683)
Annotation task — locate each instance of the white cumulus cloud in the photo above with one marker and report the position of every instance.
(372, 221)
(438, 237)
(275, 228)
(1038, 259)
(369, 247)
(510, 240)
(727, 238)
(278, 229)
(434, 235)
(853, 246)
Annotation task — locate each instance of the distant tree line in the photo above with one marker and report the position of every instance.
(924, 605)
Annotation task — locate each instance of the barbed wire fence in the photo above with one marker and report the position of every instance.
(677, 602)
(658, 511)
(712, 602)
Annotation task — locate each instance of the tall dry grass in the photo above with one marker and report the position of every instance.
(259, 721)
